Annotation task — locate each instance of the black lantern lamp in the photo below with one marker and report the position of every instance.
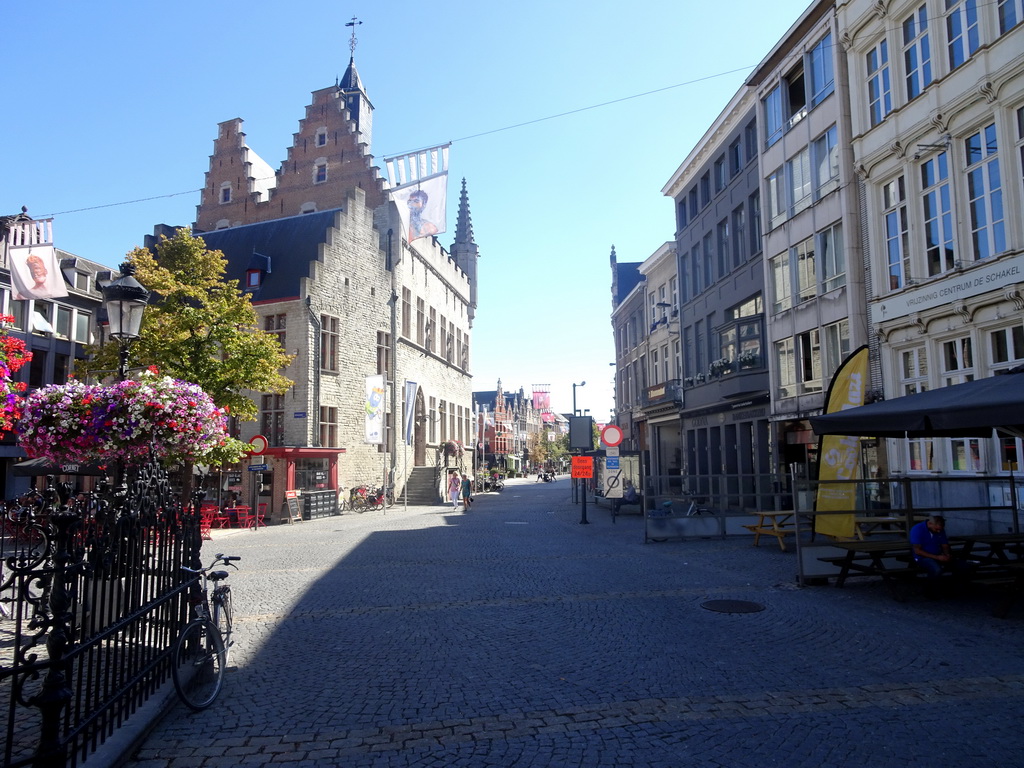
(125, 300)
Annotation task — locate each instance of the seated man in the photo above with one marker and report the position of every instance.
(931, 550)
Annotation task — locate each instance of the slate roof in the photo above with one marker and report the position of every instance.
(286, 246)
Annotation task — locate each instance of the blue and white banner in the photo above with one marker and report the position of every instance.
(409, 415)
(375, 409)
(419, 183)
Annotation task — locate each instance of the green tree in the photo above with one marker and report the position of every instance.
(200, 327)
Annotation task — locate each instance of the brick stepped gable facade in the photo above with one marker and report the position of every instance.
(334, 135)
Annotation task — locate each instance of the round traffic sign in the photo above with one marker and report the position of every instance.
(259, 445)
(611, 435)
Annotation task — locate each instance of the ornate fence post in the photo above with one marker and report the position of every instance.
(56, 693)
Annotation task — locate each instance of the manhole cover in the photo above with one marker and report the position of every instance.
(732, 606)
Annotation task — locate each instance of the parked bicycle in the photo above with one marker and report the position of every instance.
(378, 498)
(201, 651)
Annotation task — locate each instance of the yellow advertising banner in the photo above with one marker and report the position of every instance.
(839, 455)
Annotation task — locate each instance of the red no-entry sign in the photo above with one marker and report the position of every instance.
(611, 435)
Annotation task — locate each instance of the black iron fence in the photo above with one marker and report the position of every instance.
(92, 597)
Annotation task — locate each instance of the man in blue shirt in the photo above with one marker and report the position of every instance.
(931, 550)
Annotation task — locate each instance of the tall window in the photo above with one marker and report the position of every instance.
(985, 193)
(776, 199)
(277, 325)
(1011, 13)
(709, 263)
(806, 275)
(917, 57)
(798, 174)
(735, 157)
(837, 346)
(962, 32)
(833, 260)
(406, 313)
(894, 197)
(421, 319)
(737, 236)
(825, 159)
(320, 173)
(720, 179)
(328, 427)
(705, 189)
(754, 204)
(83, 327)
(696, 271)
(330, 338)
(272, 418)
(957, 361)
(782, 290)
(785, 369)
(1006, 347)
(819, 64)
(936, 200)
(384, 354)
(225, 192)
(773, 116)
(723, 247)
(809, 361)
(431, 336)
(913, 371)
(879, 86)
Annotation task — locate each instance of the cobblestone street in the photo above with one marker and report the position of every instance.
(514, 636)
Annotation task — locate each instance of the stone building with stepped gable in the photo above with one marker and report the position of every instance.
(322, 251)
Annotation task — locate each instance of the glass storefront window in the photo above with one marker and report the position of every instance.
(311, 474)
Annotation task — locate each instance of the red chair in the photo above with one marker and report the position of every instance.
(246, 518)
(206, 517)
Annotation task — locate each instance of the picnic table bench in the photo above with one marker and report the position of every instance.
(778, 524)
(888, 559)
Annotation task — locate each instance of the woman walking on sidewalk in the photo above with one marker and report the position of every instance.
(467, 493)
(454, 486)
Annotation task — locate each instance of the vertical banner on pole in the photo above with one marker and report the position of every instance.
(839, 455)
(409, 415)
(375, 409)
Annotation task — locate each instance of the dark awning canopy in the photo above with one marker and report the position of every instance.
(972, 409)
(38, 467)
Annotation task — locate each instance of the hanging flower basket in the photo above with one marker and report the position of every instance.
(452, 448)
(154, 416)
(13, 357)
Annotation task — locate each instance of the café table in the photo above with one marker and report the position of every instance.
(773, 523)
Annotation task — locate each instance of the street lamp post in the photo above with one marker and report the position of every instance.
(125, 300)
(581, 384)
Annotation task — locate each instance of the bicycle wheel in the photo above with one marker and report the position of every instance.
(197, 667)
(222, 615)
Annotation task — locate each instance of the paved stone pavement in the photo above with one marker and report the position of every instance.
(514, 636)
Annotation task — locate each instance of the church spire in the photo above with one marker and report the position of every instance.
(464, 251)
(464, 225)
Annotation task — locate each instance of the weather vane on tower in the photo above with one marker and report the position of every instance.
(352, 43)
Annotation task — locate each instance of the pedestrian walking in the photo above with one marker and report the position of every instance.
(467, 493)
(454, 486)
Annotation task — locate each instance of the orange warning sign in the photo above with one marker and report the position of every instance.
(583, 466)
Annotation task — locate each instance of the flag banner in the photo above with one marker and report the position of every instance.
(35, 273)
(547, 417)
(409, 416)
(488, 418)
(423, 207)
(375, 409)
(420, 190)
(840, 454)
(541, 400)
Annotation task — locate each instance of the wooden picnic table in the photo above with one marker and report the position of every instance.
(997, 544)
(779, 524)
(870, 525)
(887, 559)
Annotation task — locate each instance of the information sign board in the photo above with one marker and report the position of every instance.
(582, 467)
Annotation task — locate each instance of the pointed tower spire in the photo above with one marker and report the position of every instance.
(464, 225)
(356, 100)
(464, 250)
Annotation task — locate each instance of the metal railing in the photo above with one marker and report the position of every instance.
(93, 597)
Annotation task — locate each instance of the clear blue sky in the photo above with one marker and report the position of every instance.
(117, 101)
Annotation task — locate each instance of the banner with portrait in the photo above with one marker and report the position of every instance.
(419, 183)
(409, 414)
(35, 272)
